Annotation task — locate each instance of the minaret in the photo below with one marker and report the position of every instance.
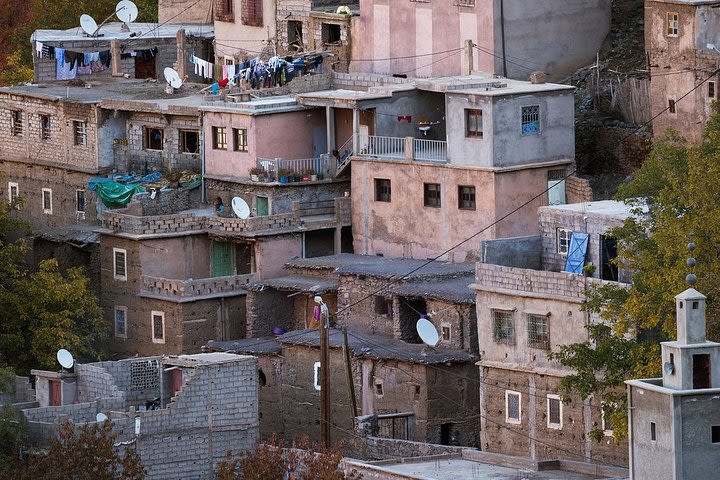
(691, 362)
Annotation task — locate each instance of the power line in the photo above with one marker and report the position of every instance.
(136, 38)
(405, 57)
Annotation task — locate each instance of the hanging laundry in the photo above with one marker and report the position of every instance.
(39, 49)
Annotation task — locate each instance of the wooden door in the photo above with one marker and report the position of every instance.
(176, 381)
(55, 393)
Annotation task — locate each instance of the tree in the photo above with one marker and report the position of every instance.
(678, 184)
(87, 453)
(44, 310)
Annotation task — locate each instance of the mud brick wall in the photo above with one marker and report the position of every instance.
(577, 190)
(363, 317)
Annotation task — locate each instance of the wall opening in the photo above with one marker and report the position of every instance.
(448, 435)
(244, 258)
(653, 432)
(608, 252)
(716, 434)
(295, 35)
(410, 311)
(330, 33)
(701, 371)
(319, 243)
(346, 240)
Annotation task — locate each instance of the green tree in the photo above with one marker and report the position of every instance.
(678, 185)
(44, 310)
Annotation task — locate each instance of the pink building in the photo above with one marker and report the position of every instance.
(513, 37)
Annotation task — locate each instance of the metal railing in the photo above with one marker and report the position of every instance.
(430, 150)
(276, 167)
(381, 147)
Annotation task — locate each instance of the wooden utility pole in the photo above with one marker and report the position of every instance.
(324, 375)
(348, 370)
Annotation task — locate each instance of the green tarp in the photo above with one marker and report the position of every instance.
(114, 194)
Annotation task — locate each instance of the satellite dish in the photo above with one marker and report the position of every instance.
(65, 358)
(172, 77)
(101, 417)
(240, 207)
(126, 11)
(669, 368)
(427, 332)
(88, 24)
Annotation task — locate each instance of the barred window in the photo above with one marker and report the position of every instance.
(143, 375)
(503, 327)
(672, 24)
(16, 123)
(554, 412)
(473, 123)
(464, 3)
(513, 407)
(431, 194)
(120, 264)
(121, 321)
(538, 331)
(466, 197)
(45, 127)
(531, 120)
(79, 133)
(158, 326)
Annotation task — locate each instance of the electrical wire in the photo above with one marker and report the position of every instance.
(488, 52)
(136, 38)
(405, 57)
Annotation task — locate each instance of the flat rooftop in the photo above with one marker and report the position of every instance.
(486, 85)
(608, 208)
(138, 32)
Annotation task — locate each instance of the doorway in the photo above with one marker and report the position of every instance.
(222, 259)
(410, 311)
(145, 66)
(55, 393)
(608, 253)
(262, 206)
(701, 371)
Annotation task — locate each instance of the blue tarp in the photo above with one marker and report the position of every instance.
(576, 253)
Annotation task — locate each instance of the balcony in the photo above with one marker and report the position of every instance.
(400, 148)
(281, 170)
(166, 288)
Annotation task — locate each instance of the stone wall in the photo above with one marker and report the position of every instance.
(134, 156)
(532, 437)
(364, 316)
(64, 183)
(59, 149)
(168, 202)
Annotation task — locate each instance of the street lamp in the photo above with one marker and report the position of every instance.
(324, 373)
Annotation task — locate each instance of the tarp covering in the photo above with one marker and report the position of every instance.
(576, 253)
(118, 191)
(115, 194)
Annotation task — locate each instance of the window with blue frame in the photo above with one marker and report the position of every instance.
(531, 120)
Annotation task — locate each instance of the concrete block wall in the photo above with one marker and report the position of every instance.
(95, 382)
(365, 80)
(578, 190)
(538, 282)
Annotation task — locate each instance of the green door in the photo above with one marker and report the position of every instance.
(222, 259)
(262, 206)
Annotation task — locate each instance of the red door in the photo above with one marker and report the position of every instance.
(176, 380)
(55, 393)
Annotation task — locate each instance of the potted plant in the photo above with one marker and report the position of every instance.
(284, 175)
(588, 270)
(256, 173)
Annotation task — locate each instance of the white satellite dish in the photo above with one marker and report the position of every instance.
(88, 24)
(668, 368)
(101, 417)
(172, 77)
(126, 11)
(428, 333)
(65, 358)
(240, 207)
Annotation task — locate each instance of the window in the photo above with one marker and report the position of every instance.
(79, 132)
(45, 127)
(189, 142)
(13, 191)
(416, 392)
(144, 375)
(219, 136)
(672, 24)
(382, 305)
(431, 194)
(513, 407)
(466, 197)
(316, 376)
(16, 123)
(563, 240)
(715, 434)
(152, 138)
(252, 12)
(503, 327)
(295, 34)
(607, 409)
(47, 200)
(556, 187)
(711, 89)
(445, 331)
(465, 3)
(473, 123)
(158, 326)
(554, 412)
(379, 388)
(538, 331)
(119, 264)
(80, 201)
(224, 10)
(653, 432)
(671, 105)
(531, 120)
(121, 322)
(330, 33)
(382, 190)
(241, 139)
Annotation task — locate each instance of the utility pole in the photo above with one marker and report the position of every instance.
(324, 373)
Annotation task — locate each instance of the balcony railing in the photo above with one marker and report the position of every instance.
(401, 148)
(430, 150)
(275, 167)
(381, 147)
(167, 287)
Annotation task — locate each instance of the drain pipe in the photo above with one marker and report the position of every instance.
(502, 35)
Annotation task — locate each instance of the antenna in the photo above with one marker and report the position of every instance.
(101, 417)
(240, 207)
(172, 78)
(126, 11)
(428, 333)
(65, 359)
(88, 24)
